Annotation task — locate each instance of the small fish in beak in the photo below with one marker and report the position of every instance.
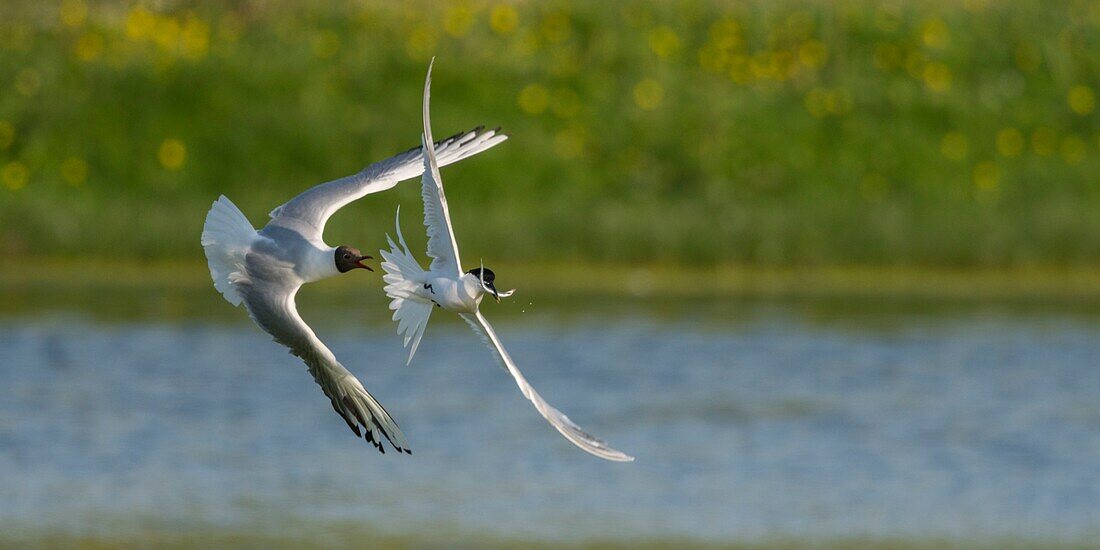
(486, 277)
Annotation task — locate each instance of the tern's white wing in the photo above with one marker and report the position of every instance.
(315, 205)
(437, 218)
(571, 431)
(270, 303)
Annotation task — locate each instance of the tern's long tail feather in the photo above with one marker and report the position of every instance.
(403, 277)
(226, 237)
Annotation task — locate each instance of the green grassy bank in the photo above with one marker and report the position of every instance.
(790, 133)
(543, 279)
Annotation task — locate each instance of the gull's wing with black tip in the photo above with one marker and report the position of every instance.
(270, 303)
(571, 431)
(442, 246)
(314, 206)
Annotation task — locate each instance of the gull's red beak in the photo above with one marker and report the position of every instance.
(360, 263)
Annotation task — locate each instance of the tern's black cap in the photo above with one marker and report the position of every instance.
(483, 273)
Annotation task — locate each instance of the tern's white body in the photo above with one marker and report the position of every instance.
(415, 292)
(462, 295)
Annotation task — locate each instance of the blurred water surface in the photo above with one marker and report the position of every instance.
(749, 421)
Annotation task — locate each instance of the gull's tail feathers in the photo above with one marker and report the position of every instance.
(226, 237)
(403, 278)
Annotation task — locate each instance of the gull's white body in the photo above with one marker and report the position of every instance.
(264, 270)
(416, 291)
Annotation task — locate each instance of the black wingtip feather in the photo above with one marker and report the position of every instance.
(449, 139)
(445, 140)
(370, 439)
(395, 445)
(352, 425)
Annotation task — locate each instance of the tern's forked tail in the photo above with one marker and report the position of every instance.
(403, 277)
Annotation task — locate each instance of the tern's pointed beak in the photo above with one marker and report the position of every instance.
(492, 290)
(360, 263)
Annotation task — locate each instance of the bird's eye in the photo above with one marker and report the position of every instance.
(347, 257)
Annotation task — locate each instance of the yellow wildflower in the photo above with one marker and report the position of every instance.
(664, 41)
(937, 76)
(457, 19)
(140, 23)
(986, 175)
(556, 27)
(14, 175)
(533, 99)
(166, 33)
(172, 153)
(1081, 100)
(420, 45)
(195, 38)
(934, 34)
(503, 19)
(813, 54)
(88, 46)
(72, 12)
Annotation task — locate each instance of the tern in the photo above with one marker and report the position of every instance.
(264, 269)
(415, 291)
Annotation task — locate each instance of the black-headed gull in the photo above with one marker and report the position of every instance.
(415, 292)
(264, 269)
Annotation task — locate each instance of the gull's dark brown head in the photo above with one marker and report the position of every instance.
(349, 258)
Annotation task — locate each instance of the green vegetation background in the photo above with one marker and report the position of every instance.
(712, 133)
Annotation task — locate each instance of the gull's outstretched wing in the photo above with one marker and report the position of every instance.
(315, 205)
(571, 431)
(270, 303)
(437, 218)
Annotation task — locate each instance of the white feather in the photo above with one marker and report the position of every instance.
(444, 249)
(556, 418)
(403, 276)
(227, 236)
